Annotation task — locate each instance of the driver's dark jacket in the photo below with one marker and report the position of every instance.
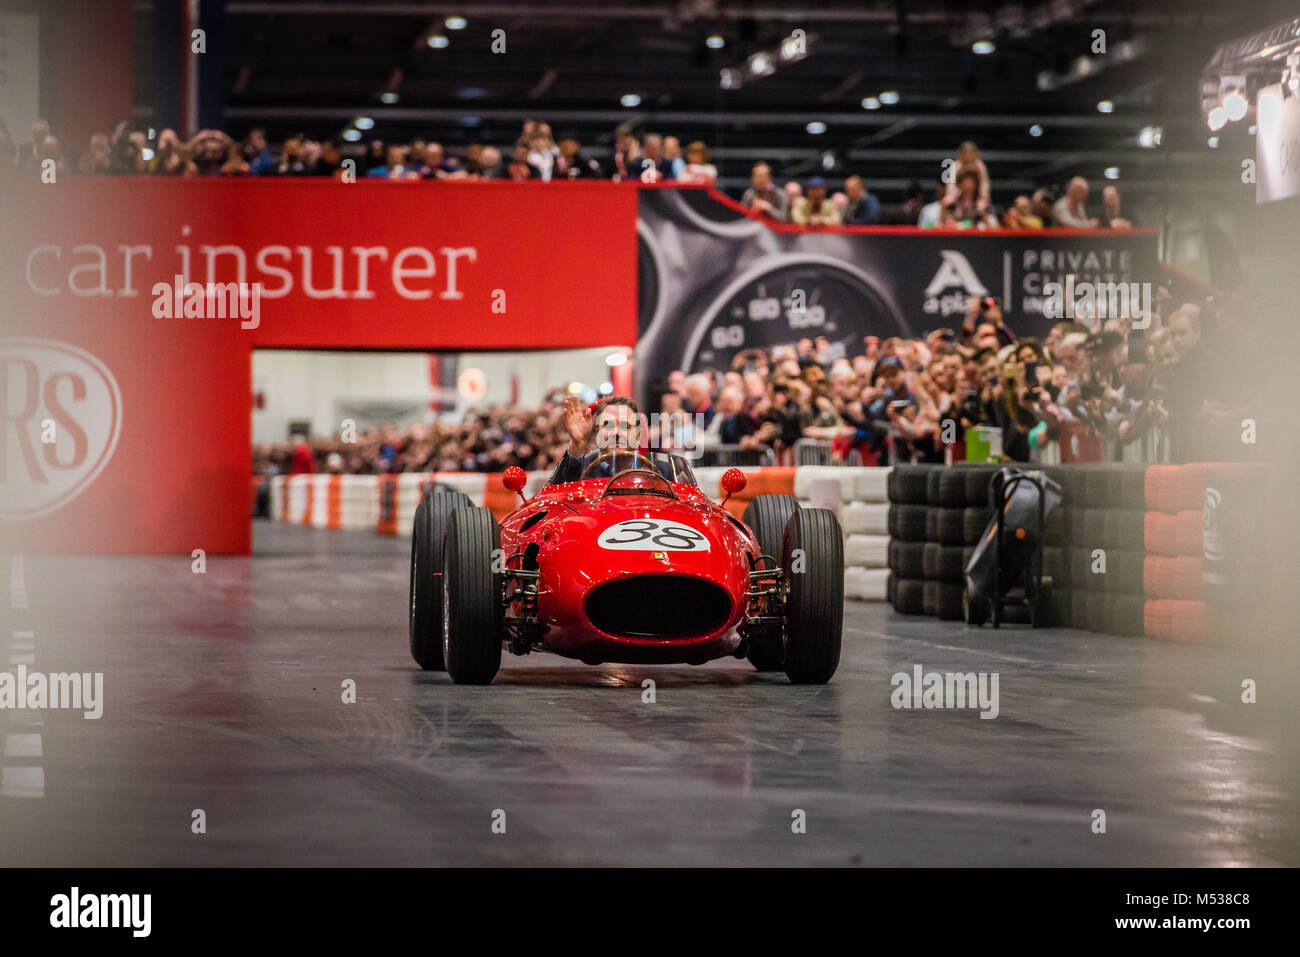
(570, 469)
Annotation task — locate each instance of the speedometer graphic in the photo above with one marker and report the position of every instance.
(784, 299)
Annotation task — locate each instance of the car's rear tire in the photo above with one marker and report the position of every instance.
(813, 559)
(767, 515)
(424, 624)
(471, 602)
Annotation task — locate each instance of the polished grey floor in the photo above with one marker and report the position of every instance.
(224, 693)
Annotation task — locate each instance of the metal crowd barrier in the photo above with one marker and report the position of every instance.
(812, 452)
(726, 455)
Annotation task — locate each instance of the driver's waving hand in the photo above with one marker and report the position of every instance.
(614, 424)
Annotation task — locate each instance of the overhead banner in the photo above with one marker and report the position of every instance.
(1277, 145)
(129, 309)
(714, 282)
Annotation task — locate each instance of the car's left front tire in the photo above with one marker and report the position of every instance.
(471, 597)
(424, 622)
(767, 516)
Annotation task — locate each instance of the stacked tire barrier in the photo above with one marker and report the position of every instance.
(936, 516)
(1198, 516)
(1098, 568)
(1134, 551)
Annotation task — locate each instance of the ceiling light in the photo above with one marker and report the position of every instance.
(455, 23)
(390, 98)
(1035, 130)
(1106, 106)
(1112, 172)
(794, 47)
(438, 41)
(351, 135)
(1218, 116)
(1149, 137)
(983, 47)
(630, 99)
(616, 359)
(729, 79)
(715, 42)
(364, 123)
(871, 103)
(760, 64)
(889, 97)
(816, 127)
(1236, 105)
(1212, 142)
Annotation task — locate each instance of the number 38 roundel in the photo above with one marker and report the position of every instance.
(648, 534)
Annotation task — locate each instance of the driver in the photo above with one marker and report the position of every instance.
(614, 423)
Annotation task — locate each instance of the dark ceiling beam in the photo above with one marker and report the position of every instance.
(852, 13)
(878, 118)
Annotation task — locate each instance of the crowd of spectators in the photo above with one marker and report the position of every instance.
(486, 439)
(1101, 391)
(962, 197)
(1087, 392)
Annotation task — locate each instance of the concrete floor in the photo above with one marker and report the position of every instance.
(223, 693)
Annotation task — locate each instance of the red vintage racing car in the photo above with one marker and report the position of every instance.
(641, 567)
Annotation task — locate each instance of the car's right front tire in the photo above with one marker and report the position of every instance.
(471, 597)
(424, 622)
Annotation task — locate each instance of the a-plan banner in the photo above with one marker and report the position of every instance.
(129, 309)
(714, 282)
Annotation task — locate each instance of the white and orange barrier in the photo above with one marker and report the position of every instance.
(387, 504)
(859, 497)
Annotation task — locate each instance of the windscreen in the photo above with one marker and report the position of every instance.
(613, 462)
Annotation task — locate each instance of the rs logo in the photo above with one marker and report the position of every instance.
(68, 394)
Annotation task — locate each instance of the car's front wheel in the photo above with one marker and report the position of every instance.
(471, 602)
(767, 516)
(424, 621)
(813, 561)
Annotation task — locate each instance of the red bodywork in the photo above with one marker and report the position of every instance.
(698, 596)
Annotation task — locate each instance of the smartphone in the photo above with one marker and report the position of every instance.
(1031, 373)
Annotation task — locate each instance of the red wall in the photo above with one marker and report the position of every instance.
(178, 476)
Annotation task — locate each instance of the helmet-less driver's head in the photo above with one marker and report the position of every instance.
(617, 424)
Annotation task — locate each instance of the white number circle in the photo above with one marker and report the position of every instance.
(653, 535)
